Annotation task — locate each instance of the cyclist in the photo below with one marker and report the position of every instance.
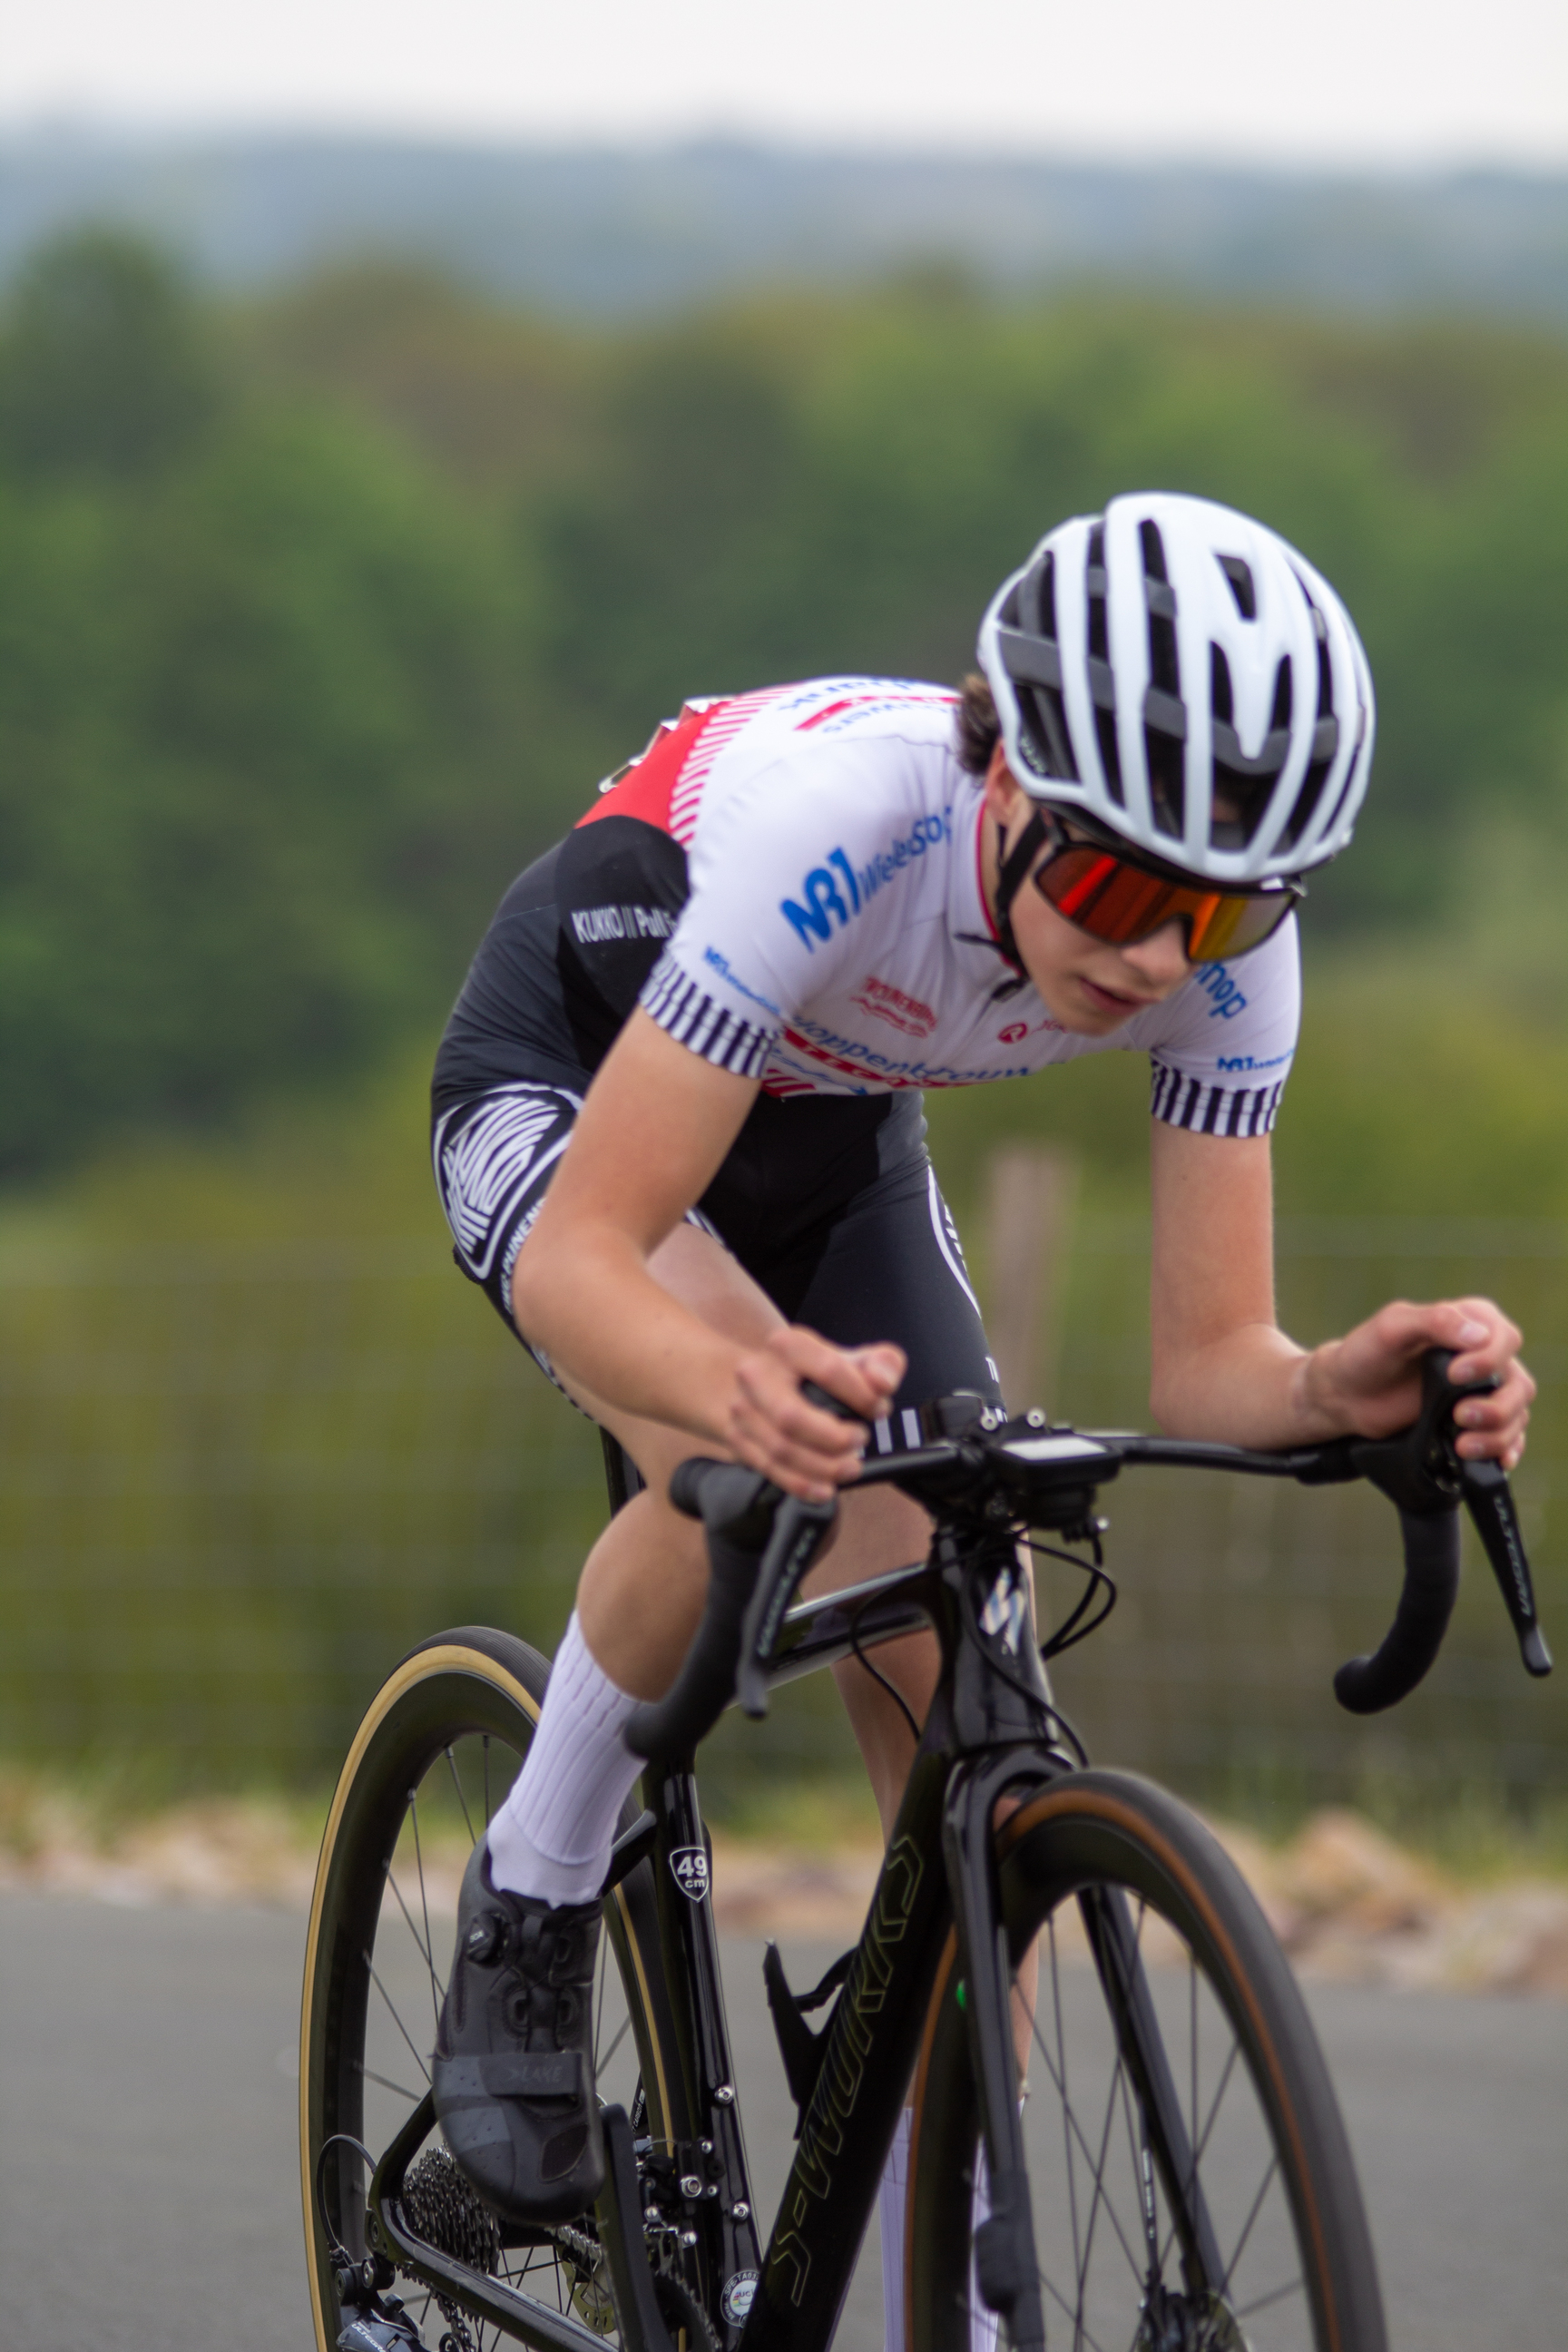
(677, 1135)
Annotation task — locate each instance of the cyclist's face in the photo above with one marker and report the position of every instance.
(1089, 987)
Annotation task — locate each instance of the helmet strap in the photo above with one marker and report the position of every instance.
(1012, 870)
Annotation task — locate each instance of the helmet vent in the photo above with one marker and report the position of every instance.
(1164, 672)
(1033, 660)
(1283, 696)
(1102, 677)
(1306, 802)
(1165, 719)
(1045, 588)
(1167, 780)
(1242, 586)
(1099, 636)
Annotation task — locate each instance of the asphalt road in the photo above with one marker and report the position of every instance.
(148, 2198)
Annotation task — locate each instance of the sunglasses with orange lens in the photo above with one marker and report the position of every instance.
(1115, 899)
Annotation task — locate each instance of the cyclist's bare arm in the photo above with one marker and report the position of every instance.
(1222, 1367)
(653, 1132)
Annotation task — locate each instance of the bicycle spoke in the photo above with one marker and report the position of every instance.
(392, 2013)
(421, 1946)
(462, 1800)
(1061, 2053)
(1081, 2332)
(1263, 2187)
(438, 1993)
(623, 2029)
(1095, 2163)
(1192, 2057)
(386, 2083)
(1101, 2198)
(1276, 2294)
(1200, 2146)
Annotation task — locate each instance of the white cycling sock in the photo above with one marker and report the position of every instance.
(550, 1840)
(890, 2214)
(984, 2323)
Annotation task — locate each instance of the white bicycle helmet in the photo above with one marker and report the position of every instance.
(1172, 672)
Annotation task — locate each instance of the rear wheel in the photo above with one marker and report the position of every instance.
(436, 1754)
(1191, 2186)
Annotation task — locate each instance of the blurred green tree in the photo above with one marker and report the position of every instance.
(106, 366)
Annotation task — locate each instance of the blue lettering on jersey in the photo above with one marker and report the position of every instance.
(820, 892)
(1217, 984)
(824, 898)
(710, 954)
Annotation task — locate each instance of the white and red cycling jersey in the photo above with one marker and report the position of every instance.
(793, 877)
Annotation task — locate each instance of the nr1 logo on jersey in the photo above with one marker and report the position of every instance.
(690, 1865)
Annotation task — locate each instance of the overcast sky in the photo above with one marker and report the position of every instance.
(1338, 81)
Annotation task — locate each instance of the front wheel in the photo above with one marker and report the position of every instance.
(437, 1753)
(1191, 2185)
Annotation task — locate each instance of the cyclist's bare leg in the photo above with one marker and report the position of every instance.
(643, 1585)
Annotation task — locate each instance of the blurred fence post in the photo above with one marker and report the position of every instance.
(1030, 1194)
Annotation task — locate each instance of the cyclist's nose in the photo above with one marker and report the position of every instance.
(1162, 959)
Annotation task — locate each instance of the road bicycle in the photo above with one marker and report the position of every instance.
(1123, 2137)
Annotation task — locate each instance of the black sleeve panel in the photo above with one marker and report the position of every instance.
(509, 1023)
(620, 886)
(562, 964)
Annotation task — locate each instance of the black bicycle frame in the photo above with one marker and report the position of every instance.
(991, 1729)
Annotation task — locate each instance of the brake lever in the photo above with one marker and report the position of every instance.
(798, 1531)
(797, 1537)
(1422, 1471)
(1489, 1501)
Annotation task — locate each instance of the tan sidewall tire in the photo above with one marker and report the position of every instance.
(1114, 1828)
(473, 1680)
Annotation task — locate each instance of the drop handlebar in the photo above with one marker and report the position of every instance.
(761, 1541)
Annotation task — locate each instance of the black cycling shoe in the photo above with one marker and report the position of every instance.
(513, 2073)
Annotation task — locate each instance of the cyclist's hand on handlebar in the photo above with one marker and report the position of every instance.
(1369, 1382)
(802, 1447)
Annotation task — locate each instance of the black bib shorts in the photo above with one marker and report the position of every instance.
(830, 1202)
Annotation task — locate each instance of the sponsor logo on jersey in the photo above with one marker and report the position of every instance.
(838, 889)
(1225, 998)
(825, 1045)
(721, 963)
(889, 1004)
(1017, 1031)
(1249, 1062)
(591, 925)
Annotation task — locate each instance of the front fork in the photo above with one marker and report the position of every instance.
(1005, 2266)
(1006, 2262)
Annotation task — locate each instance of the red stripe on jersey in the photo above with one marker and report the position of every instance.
(646, 791)
(865, 701)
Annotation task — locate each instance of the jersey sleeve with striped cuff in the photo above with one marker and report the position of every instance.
(1226, 1041)
(782, 912)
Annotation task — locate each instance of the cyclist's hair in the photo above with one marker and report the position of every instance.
(976, 724)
